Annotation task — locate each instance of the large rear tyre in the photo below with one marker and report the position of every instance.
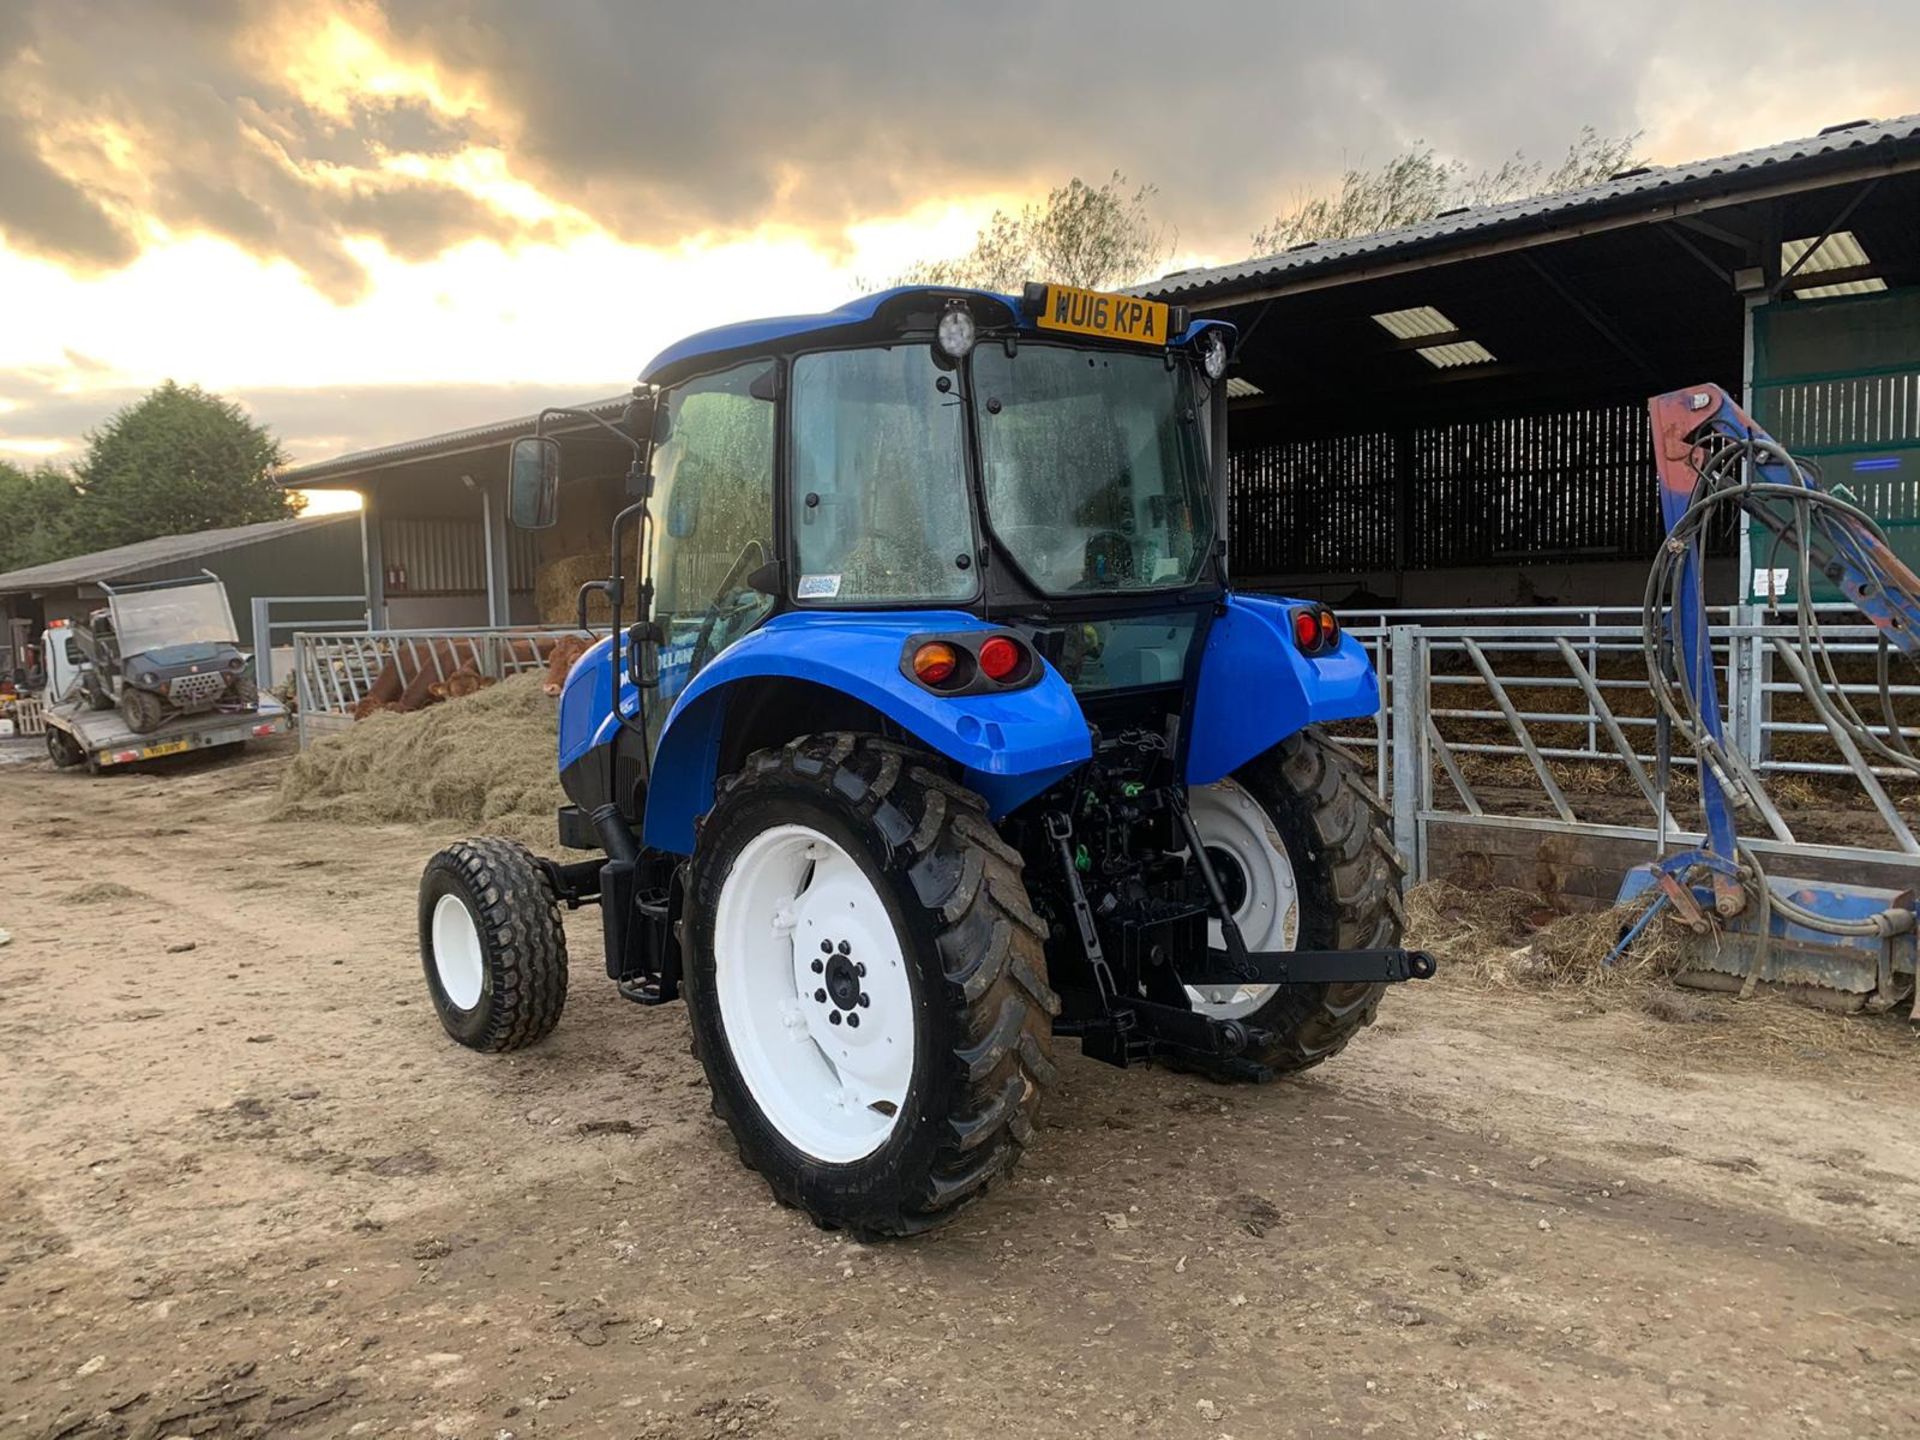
(1300, 840)
(492, 945)
(866, 984)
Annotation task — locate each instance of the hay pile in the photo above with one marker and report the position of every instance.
(1509, 939)
(483, 763)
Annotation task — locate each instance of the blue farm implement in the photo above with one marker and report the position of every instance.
(929, 727)
(1852, 943)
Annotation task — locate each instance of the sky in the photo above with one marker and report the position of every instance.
(369, 220)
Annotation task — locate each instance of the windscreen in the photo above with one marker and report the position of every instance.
(177, 615)
(1094, 464)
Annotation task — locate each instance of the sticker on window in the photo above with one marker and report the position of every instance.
(819, 587)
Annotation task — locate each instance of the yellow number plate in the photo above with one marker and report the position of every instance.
(1112, 317)
(166, 747)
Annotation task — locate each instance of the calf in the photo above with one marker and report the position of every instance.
(461, 683)
(565, 654)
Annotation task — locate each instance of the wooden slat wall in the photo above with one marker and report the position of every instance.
(1572, 485)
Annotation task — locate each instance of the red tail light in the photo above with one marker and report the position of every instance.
(1306, 630)
(1000, 657)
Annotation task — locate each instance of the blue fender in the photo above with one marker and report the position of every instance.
(1256, 688)
(1010, 745)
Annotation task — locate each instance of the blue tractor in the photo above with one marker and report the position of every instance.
(929, 728)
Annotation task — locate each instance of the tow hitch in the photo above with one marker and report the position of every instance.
(1312, 967)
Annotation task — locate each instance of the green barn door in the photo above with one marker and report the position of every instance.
(1838, 382)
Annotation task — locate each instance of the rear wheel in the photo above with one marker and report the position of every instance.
(64, 749)
(866, 984)
(492, 946)
(1299, 840)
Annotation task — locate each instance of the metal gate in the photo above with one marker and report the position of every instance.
(1516, 733)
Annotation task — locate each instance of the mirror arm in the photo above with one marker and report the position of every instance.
(569, 412)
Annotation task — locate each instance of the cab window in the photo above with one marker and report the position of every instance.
(879, 503)
(713, 521)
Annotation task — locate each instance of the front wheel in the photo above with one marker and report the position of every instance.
(492, 946)
(143, 710)
(1298, 839)
(867, 984)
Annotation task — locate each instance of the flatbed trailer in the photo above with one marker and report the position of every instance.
(80, 735)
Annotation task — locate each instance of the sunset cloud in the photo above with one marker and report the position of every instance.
(440, 194)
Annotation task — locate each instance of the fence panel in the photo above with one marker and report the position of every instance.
(337, 670)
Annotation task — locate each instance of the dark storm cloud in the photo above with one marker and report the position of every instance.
(663, 121)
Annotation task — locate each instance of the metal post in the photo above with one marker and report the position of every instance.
(262, 644)
(302, 691)
(373, 559)
(1411, 777)
(493, 525)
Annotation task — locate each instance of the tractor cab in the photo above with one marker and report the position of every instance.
(1047, 460)
(929, 727)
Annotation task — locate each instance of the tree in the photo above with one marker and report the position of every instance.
(1092, 236)
(1418, 184)
(177, 461)
(36, 515)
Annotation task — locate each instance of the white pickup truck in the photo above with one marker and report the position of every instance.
(80, 734)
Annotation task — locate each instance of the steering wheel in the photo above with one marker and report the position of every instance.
(1118, 545)
(726, 602)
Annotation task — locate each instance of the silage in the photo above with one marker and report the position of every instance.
(484, 763)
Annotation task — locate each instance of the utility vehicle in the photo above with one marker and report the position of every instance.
(929, 728)
(156, 671)
(165, 648)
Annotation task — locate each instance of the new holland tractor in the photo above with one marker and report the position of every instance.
(928, 729)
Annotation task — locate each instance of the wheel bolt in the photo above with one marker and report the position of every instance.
(853, 1020)
(821, 996)
(834, 1018)
(865, 1000)
(818, 966)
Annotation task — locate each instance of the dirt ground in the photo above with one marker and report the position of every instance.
(248, 1188)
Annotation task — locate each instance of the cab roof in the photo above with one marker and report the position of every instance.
(885, 311)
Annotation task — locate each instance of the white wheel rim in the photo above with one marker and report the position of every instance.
(457, 958)
(830, 1074)
(1233, 825)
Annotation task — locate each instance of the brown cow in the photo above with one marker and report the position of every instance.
(431, 671)
(565, 654)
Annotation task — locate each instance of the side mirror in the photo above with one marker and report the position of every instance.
(533, 482)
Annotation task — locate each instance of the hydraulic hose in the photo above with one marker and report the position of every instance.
(1814, 517)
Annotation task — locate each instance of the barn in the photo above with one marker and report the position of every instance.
(1453, 414)
(279, 573)
(1449, 415)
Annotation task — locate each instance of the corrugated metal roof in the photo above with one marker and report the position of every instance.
(1835, 149)
(127, 561)
(452, 442)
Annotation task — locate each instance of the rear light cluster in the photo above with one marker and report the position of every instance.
(1316, 631)
(970, 664)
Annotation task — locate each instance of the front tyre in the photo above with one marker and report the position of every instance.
(1298, 838)
(492, 946)
(143, 710)
(866, 984)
